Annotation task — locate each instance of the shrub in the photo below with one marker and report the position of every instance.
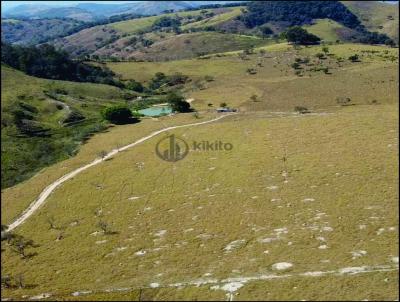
(343, 101)
(102, 154)
(73, 116)
(354, 58)
(209, 78)
(117, 114)
(301, 109)
(254, 98)
(295, 65)
(325, 49)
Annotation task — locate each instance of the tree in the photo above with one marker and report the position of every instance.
(299, 35)
(118, 114)
(223, 105)
(135, 86)
(167, 21)
(177, 103)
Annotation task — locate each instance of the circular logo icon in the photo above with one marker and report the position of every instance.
(172, 148)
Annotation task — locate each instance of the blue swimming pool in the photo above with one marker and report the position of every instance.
(156, 111)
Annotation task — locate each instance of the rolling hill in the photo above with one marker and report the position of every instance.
(140, 39)
(377, 16)
(56, 117)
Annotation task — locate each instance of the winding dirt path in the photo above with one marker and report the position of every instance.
(34, 206)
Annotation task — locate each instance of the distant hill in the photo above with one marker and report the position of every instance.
(124, 34)
(93, 11)
(34, 11)
(37, 30)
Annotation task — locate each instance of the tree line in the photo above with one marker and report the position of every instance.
(44, 61)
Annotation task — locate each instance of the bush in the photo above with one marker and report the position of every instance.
(118, 114)
(343, 101)
(251, 71)
(354, 58)
(73, 116)
(160, 79)
(295, 65)
(301, 109)
(325, 49)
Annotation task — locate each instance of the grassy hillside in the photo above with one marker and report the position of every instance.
(377, 16)
(144, 24)
(57, 116)
(326, 29)
(275, 83)
(193, 45)
(215, 20)
(88, 40)
(114, 39)
(323, 200)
